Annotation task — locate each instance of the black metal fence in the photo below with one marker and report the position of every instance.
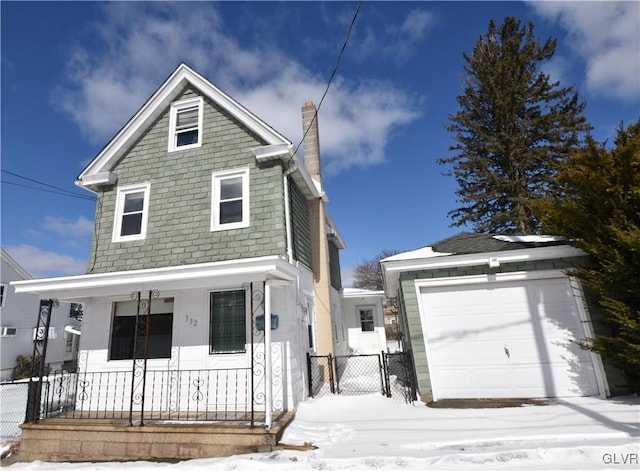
(185, 395)
(390, 374)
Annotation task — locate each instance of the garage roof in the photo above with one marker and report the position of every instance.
(467, 243)
(469, 249)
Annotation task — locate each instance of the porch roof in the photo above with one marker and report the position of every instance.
(203, 275)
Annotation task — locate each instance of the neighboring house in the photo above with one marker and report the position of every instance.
(18, 321)
(490, 316)
(206, 211)
(362, 314)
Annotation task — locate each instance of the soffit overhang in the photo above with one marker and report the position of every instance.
(392, 269)
(213, 275)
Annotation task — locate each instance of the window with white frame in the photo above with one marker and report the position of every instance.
(230, 200)
(8, 331)
(366, 319)
(3, 292)
(132, 210)
(185, 124)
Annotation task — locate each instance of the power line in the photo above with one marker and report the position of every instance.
(333, 73)
(58, 190)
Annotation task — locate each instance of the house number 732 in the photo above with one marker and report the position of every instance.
(190, 321)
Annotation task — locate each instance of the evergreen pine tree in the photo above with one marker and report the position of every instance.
(513, 128)
(600, 210)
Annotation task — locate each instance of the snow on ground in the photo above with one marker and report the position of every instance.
(372, 432)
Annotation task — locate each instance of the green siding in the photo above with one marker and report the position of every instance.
(179, 220)
(300, 225)
(411, 314)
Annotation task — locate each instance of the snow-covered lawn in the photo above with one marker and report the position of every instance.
(372, 432)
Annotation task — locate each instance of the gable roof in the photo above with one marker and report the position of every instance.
(469, 249)
(15, 266)
(468, 243)
(99, 170)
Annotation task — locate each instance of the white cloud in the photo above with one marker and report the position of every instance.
(417, 23)
(42, 263)
(606, 35)
(81, 227)
(140, 43)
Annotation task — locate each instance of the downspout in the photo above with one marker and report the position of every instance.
(267, 356)
(287, 212)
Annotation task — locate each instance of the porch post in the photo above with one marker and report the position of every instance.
(267, 356)
(34, 390)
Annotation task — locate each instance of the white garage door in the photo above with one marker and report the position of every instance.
(505, 340)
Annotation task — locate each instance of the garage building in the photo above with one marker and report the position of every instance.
(491, 316)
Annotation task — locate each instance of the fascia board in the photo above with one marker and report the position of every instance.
(299, 172)
(391, 269)
(273, 151)
(84, 285)
(100, 178)
(156, 104)
(488, 278)
(355, 293)
(308, 184)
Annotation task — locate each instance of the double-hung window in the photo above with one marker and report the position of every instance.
(366, 319)
(132, 210)
(230, 200)
(185, 124)
(228, 322)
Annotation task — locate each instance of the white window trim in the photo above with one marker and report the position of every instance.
(173, 135)
(117, 225)
(215, 199)
(8, 331)
(367, 307)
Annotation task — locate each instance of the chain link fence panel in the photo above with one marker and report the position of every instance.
(13, 405)
(359, 374)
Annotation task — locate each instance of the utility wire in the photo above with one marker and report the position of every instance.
(333, 73)
(59, 191)
(64, 192)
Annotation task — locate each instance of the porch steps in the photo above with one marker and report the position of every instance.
(60, 440)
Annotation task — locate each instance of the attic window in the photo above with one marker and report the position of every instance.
(185, 124)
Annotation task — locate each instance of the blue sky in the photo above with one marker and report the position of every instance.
(73, 73)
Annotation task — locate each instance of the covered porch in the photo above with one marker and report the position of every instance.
(187, 401)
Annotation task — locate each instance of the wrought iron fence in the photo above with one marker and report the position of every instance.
(390, 374)
(185, 395)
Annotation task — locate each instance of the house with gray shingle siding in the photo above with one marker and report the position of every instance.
(492, 316)
(207, 262)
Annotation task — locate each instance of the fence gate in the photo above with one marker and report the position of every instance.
(390, 374)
